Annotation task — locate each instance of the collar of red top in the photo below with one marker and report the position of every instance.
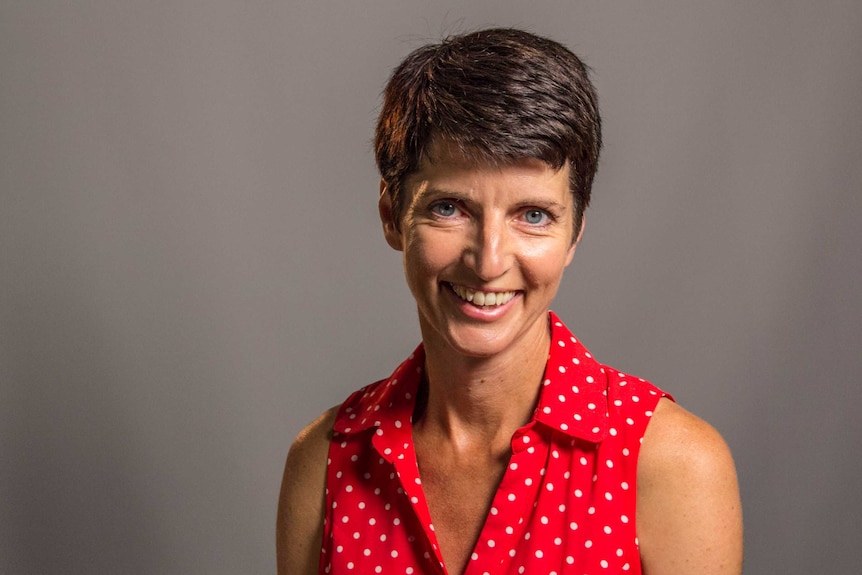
(573, 399)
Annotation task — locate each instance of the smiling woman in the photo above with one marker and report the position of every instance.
(500, 445)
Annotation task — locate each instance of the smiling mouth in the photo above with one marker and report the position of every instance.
(481, 298)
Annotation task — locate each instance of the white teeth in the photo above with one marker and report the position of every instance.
(481, 298)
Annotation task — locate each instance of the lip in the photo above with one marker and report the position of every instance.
(484, 313)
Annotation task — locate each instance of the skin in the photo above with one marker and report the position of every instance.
(508, 229)
(689, 517)
(299, 521)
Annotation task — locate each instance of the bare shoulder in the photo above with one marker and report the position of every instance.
(675, 437)
(689, 518)
(299, 525)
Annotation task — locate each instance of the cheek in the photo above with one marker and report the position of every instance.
(543, 263)
(426, 255)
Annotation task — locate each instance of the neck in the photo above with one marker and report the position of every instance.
(483, 399)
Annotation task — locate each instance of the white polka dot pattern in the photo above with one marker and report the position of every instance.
(566, 503)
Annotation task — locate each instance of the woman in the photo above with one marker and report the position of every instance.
(500, 445)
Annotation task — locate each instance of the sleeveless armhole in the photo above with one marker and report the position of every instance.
(632, 402)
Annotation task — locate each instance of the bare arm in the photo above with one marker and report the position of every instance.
(689, 518)
(299, 525)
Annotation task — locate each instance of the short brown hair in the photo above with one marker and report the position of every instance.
(499, 95)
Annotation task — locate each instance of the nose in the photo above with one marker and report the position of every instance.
(489, 254)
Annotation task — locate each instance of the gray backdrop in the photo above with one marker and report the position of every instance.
(191, 267)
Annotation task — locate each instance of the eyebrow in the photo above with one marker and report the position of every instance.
(435, 193)
(542, 203)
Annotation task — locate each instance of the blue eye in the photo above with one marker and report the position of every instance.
(535, 217)
(444, 209)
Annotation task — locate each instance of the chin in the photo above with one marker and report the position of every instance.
(477, 349)
(482, 341)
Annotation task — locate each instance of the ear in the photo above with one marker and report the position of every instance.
(390, 227)
(574, 246)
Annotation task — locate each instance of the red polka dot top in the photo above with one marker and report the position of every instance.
(565, 505)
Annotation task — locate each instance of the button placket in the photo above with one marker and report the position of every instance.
(512, 505)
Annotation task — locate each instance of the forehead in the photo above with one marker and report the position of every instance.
(443, 151)
(446, 164)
